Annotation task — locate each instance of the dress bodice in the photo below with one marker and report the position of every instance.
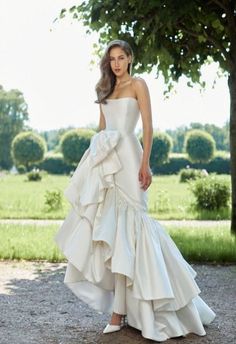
(121, 114)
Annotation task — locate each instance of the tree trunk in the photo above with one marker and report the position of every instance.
(232, 90)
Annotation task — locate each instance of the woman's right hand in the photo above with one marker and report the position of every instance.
(145, 176)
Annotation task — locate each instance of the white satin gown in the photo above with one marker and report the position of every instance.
(109, 233)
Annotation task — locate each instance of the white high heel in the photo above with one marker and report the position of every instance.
(112, 328)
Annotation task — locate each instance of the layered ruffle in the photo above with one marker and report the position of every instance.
(106, 233)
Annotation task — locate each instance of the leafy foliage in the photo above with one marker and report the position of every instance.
(211, 193)
(53, 199)
(27, 148)
(74, 143)
(174, 37)
(199, 145)
(13, 115)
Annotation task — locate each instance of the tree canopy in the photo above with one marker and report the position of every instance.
(174, 37)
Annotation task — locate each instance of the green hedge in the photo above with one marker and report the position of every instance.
(220, 165)
(55, 164)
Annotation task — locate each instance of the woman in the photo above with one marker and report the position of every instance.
(121, 260)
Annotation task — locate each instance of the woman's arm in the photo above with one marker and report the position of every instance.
(142, 92)
(102, 121)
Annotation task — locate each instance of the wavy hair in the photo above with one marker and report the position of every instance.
(106, 83)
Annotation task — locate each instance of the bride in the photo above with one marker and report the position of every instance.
(120, 259)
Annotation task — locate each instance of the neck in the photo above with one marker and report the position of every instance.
(123, 78)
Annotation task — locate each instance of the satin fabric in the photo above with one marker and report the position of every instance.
(108, 231)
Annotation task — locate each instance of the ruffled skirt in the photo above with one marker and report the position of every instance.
(108, 231)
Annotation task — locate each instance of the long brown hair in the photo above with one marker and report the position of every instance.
(106, 83)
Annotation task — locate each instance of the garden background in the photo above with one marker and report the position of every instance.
(48, 71)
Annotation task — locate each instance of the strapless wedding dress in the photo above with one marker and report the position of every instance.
(108, 230)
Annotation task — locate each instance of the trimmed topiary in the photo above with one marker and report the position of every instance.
(28, 148)
(74, 143)
(199, 145)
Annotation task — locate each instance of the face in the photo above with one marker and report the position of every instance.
(119, 61)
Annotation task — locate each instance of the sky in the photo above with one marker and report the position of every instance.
(50, 63)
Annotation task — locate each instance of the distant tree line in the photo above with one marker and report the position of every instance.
(13, 118)
(220, 135)
(29, 151)
(19, 146)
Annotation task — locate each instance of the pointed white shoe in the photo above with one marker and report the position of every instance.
(111, 328)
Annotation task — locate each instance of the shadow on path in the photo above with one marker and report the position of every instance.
(37, 307)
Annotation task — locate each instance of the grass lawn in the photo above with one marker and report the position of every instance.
(31, 242)
(168, 198)
(20, 198)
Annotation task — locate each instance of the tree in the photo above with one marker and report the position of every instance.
(13, 115)
(27, 148)
(199, 145)
(177, 135)
(220, 136)
(74, 143)
(52, 137)
(176, 37)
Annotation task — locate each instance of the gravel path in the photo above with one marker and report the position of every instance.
(37, 307)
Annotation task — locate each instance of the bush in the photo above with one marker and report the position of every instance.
(21, 169)
(34, 175)
(74, 143)
(199, 145)
(211, 193)
(28, 148)
(53, 199)
(187, 174)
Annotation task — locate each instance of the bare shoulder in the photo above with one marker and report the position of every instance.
(140, 87)
(139, 82)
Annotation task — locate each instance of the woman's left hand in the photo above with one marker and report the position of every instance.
(145, 176)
